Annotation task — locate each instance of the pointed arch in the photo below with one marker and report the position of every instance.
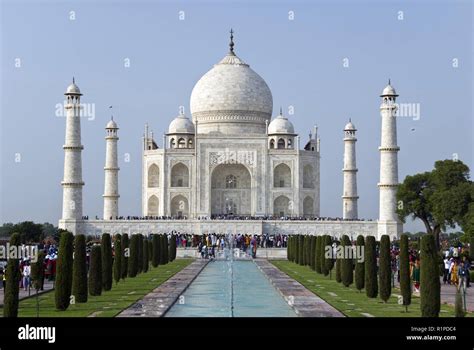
(153, 206)
(282, 176)
(281, 206)
(308, 207)
(179, 175)
(153, 176)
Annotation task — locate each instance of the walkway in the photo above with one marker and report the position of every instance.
(157, 302)
(303, 301)
(48, 285)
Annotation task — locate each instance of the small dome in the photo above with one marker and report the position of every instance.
(73, 89)
(111, 124)
(181, 125)
(349, 126)
(389, 91)
(281, 125)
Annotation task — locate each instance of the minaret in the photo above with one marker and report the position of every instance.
(388, 219)
(111, 170)
(72, 182)
(349, 196)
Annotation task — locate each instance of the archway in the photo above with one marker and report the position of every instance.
(308, 207)
(179, 175)
(231, 190)
(282, 176)
(179, 206)
(281, 206)
(153, 206)
(153, 176)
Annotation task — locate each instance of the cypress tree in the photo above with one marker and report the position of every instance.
(126, 254)
(322, 255)
(405, 282)
(347, 273)
(173, 248)
(312, 250)
(471, 247)
(37, 271)
(140, 253)
(328, 261)
(359, 266)
(430, 287)
(288, 249)
(338, 270)
(166, 248)
(12, 284)
(385, 269)
(106, 246)
(118, 256)
(79, 279)
(63, 285)
(150, 251)
(317, 255)
(95, 271)
(370, 261)
(146, 260)
(155, 261)
(297, 250)
(306, 250)
(133, 258)
(301, 249)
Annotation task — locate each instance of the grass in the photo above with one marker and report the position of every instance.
(110, 303)
(349, 300)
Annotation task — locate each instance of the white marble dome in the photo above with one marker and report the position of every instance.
(181, 125)
(281, 125)
(389, 91)
(73, 89)
(231, 99)
(111, 124)
(350, 126)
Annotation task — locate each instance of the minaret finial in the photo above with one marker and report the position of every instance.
(350, 120)
(73, 81)
(281, 112)
(231, 44)
(388, 81)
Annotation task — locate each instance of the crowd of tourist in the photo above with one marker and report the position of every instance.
(230, 217)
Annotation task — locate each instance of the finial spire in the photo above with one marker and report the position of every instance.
(388, 81)
(231, 44)
(281, 112)
(73, 81)
(350, 120)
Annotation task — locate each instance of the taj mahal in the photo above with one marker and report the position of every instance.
(230, 167)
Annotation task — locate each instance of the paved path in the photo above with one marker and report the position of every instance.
(158, 302)
(304, 302)
(48, 285)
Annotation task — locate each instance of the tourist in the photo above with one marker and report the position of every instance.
(416, 276)
(454, 272)
(462, 275)
(26, 275)
(447, 264)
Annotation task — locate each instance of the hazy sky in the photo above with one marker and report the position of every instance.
(426, 50)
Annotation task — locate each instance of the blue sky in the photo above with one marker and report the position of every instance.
(300, 59)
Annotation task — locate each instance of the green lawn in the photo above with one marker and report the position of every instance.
(349, 300)
(110, 303)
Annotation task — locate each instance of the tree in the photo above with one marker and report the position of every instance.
(79, 279)
(317, 255)
(471, 247)
(301, 249)
(347, 272)
(385, 269)
(173, 248)
(359, 266)
(12, 285)
(439, 198)
(150, 251)
(322, 248)
(37, 272)
(126, 254)
(133, 258)
(118, 256)
(338, 270)
(95, 271)
(156, 250)
(146, 261)
(430, 288)
(404, 262)
(29, 231)
(106, 246)
(140, 254)
(312, 251)
(297, 249)
(328, 261)
(63, 285)
(165, 248)
(458, 307)
(370, 261)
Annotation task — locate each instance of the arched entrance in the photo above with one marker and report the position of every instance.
(179, 206)
(231, 190)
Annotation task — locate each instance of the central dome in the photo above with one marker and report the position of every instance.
(231, 99)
